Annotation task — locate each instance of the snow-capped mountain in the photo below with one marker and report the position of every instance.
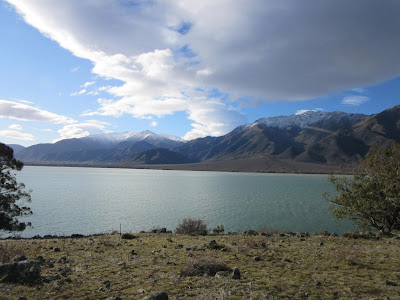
(308, 118)
(99, 148)
(117, 137)
(312, 137)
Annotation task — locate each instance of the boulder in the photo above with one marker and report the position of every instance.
(26, 271)
(236, 274)
(157, 296)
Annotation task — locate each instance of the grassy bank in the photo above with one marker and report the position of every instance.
(289, 266)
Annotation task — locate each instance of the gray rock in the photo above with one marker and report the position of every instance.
(27, 271)
(51, 278)
(390, 283)
(19, 257)
(222, 274)
(257, 258)
(236, 274)
(65, 271)
(158, 296)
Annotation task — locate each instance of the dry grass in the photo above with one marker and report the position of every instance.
(292, 267)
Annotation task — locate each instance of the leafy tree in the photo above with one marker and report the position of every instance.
(372, 197)
(11, 192)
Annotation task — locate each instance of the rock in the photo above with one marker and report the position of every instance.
(222, 274)
(40, 259)
(334, 234)
(107, 284)
(317, 283)
(21, 298)
(236, 274)
(286, 260)
(250, 232)
(27, 271)
(122, 265)
(190, 255)
(257, 258)
(158, 296)
(387, 282)
(162, 230)
(180, 246)
(62, 260)
(133, 252)
(321, 243)
(56, 249)
(65, 271)
(212, 242)
(141, 291)
(51, 278)
(19, 257)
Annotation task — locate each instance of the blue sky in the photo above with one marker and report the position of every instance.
(189, 68)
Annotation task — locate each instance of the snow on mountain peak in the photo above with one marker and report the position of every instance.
(117, 137)
(306, 118)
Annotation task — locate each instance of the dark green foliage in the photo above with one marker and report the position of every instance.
(372, 197)
(128, 236)
(192, 226)
(11, 192)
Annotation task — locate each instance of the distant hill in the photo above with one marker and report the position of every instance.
(157, 156)
(16, 148)
(313, 141)
(97, 149)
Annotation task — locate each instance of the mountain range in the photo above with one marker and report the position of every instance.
(312, 142)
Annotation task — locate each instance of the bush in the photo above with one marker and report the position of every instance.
(128, 236)
(204, 265)
(219, 229)
(192, 226)
(372, 197)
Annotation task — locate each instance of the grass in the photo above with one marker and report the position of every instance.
(292, 267)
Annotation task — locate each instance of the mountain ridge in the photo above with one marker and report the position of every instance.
(323, 140)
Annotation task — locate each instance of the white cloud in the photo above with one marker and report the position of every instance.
(15, 127)
(80, 130)
(75, 69)
(17, 135)
(81, 92)
(23, 112)
(47, 130)
(270, 50)
(87, 84)
(355, 100)
(22, 101)
(302, 111)
(154, 124)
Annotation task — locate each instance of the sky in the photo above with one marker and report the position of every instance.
(72, 68)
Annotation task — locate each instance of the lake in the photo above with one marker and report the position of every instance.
(95, 200)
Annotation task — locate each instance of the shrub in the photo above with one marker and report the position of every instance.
(371, 198)
(128, 236)
(204, 265)
(219, 229)
(192, 226)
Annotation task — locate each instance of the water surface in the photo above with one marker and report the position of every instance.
(94, 200)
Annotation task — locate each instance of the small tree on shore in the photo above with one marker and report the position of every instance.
(11, 191)
(372, 197)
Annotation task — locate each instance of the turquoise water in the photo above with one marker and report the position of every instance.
(91, 200)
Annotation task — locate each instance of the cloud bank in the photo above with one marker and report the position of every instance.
(24, 112)
(169, 53)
